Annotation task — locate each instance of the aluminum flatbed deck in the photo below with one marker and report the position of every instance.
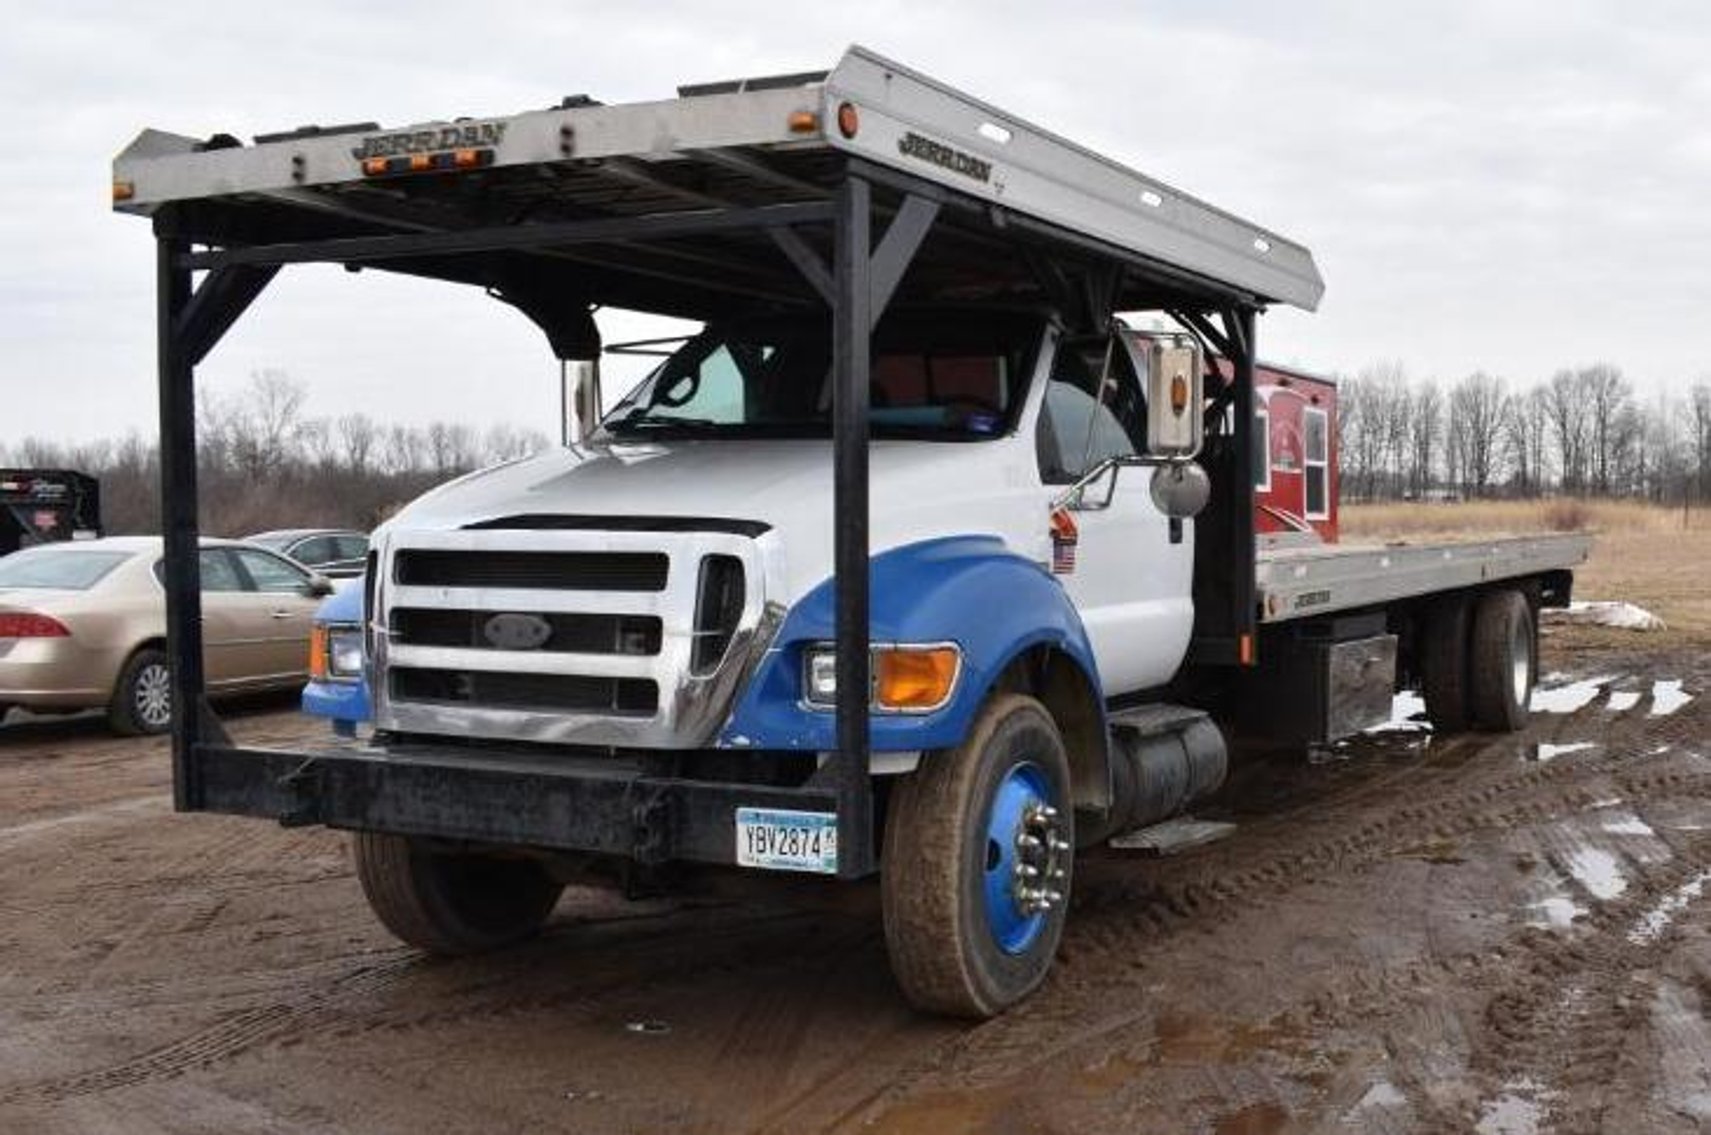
(1299, 581)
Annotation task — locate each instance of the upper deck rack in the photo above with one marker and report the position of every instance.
(779, 145)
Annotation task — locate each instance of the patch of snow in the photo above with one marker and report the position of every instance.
(1605, 613)
(1403, 708)
(1656, 920)
(1381, 1094)
(1518, 1111)
(1596, 870)
(1668, 696)
(1571, 698)
(1623, 700)
(1548, 752)
(1557, 912)
(1628, 825)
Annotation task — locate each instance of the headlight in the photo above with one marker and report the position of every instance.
(907, 678)
(335, 652)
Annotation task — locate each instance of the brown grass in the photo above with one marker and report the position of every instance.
(1647, 555)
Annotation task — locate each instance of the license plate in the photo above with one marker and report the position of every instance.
(787, 841)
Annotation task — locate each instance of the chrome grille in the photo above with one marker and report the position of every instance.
(606, 637)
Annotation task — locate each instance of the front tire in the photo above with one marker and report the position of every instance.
(142, 697)
(975, 880)
(452, 903)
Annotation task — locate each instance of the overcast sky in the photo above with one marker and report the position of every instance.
(1516, 186)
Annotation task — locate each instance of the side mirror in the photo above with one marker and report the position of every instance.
(1176, 403)
(318, 587)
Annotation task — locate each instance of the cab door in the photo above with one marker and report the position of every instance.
(1130, 582)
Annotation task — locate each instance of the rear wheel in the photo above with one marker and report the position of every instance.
(1444, 664)
(452, 902)
(1504, 661)
(976, 873)
(142, 697)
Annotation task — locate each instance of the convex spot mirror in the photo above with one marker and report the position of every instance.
(1174, 375)
(1181, 489)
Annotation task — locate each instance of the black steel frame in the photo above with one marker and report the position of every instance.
(646, 817)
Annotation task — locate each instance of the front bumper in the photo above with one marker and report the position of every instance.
(551, 799)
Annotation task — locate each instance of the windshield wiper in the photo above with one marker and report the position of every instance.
(643, 419)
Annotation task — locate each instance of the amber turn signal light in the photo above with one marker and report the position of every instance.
(918, 679)
(318, 653)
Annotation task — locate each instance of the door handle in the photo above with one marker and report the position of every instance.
(281, 615)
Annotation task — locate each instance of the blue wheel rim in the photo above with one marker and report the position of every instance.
(1012, 928)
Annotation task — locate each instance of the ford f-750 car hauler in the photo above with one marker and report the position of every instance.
(915, 562)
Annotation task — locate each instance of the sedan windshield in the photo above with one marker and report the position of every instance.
(935, 377)
(58, 569)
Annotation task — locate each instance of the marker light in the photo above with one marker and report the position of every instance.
(124, 190)
(1178, 393)
(444, 161)
(849, 120)
(804, 122)
(915, 679)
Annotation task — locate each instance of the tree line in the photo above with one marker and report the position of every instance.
(264, 462)
(1583, 431)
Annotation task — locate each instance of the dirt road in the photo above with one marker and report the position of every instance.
(1404, 934)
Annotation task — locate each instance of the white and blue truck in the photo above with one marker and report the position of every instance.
(930, 558)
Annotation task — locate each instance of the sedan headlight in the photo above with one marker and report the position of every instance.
(906, 678)
(335, 652)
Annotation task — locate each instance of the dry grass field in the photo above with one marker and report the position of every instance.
(1652, 556)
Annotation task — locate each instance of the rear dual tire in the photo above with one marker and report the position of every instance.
(1478, 662)
(969, 930)
(452, 903)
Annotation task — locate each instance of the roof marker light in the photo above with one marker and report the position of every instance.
(849, 119)
(804, 122)
(124, 190)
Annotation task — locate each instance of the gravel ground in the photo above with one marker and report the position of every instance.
(1405, 933)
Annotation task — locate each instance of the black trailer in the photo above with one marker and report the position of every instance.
(40, 506)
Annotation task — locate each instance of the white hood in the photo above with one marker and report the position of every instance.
(918, 491)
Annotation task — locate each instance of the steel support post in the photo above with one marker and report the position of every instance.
(851, 330)
(178, 519)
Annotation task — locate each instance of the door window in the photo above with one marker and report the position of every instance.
(271, 574)
(1078, 429)
(315, 550)
(350, 547)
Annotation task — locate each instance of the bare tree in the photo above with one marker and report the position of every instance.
(1478, 410)
(1425, 425)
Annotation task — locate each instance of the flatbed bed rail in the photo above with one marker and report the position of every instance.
(1304, 581)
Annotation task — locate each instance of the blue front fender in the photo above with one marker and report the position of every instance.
(970, 590)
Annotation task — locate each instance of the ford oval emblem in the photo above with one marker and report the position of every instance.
(516, 632)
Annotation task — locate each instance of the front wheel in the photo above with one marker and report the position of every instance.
(449, 902)
(977, 863)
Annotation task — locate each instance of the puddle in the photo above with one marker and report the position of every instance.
(1571, 698)
(1404, 706)
(1596, 870)
(1518, 1111)
(1656, 920)
(1623, 700)
(1544, 751)
(1668, 696)
(1555, 913)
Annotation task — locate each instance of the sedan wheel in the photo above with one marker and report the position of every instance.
(142, 699)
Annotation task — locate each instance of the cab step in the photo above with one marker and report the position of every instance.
(1172, 836)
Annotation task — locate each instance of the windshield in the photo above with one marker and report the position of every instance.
(937, 377)
(58, 569)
